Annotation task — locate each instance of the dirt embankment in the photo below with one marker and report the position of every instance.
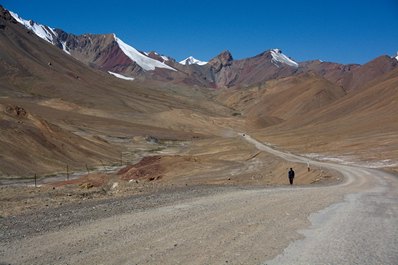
(217, 162)
(31, 144)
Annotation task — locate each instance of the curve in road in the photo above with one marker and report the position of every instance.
(363, 229)
(354, 222)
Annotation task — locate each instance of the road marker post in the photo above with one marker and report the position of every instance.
(88, 171)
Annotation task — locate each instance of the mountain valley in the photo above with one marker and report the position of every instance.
(94, 107)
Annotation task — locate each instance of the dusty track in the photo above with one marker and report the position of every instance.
(356, 222)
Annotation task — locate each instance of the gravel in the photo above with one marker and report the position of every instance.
(86, 210)
(218, 225)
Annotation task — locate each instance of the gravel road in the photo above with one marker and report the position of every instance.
(354, 222)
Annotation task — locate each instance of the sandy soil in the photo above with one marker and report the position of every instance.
(217, 161)
(217, 225)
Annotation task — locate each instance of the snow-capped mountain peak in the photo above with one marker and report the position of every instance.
(44, 32)
(278, 56)
(50, 35)
(190, 60)
(396, 57)
(142, 60)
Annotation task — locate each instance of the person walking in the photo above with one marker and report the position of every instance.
(291, 176)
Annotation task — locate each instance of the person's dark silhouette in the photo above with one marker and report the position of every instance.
(291, 176)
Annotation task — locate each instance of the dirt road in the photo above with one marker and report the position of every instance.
(354, 222)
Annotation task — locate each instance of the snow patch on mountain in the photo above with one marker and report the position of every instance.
(396, 57)
(121, 76)
(44, 32)
(145, 62)
(191, 60)
(165, 58)
(278, 56)
(65, 48)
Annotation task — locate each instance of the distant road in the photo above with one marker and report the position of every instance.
(355, 222)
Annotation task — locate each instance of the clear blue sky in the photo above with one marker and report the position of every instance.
(341, 31)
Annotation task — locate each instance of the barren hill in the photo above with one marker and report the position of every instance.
(78, 111)
(77, 102)
(358, 125)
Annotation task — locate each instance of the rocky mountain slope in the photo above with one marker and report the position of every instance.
(78, 111)
(352, 76)
(110, 54)
(309, 114)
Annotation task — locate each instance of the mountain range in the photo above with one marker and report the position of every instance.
(68, 98)
(110, 54)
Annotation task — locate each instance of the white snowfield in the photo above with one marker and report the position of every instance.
(144, 61)
(65, 48)
(121, 76)
(191, 60)
(165, 58)
(46, 33)
(278, 56)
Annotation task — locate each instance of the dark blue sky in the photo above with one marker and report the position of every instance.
(339, 31)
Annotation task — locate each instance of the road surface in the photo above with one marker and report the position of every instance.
(363, 229)
(355, 222)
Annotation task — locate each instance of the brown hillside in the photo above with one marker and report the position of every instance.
(363, 124)
(83, 107)
(56, 110)
(31, 145)
(287, 99)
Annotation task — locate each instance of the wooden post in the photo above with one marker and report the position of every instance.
(103, 165)
(67, 172)
(121, 158)
(35, 180)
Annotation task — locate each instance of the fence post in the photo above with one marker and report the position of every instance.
(67, 172)
(35, 180)
(103, 166)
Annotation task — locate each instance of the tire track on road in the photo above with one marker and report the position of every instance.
(363, 229)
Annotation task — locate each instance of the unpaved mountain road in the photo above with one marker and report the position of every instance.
(362, 229)
(355, 222)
